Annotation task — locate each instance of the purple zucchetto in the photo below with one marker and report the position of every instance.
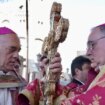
(5, 30)
(100, 25)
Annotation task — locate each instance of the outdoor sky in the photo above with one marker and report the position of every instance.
(82, 14)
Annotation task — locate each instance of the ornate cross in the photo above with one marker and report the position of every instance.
(58, 31)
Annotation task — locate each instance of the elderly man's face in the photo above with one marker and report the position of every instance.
(96, 47)
(9, 52)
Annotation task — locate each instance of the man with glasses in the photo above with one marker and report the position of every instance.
(95, 94)
(91, 44)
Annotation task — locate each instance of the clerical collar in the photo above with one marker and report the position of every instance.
(80, 81)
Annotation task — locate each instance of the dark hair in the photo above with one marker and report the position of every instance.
(78, 62)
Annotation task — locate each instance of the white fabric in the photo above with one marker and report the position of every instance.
(5, 97)
(5, 94)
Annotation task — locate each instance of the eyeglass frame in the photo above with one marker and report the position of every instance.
(91, 44)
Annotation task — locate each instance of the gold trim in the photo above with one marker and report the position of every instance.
(29, 95)
(96, 80)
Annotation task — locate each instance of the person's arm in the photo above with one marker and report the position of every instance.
(31, 94)
(55, 65)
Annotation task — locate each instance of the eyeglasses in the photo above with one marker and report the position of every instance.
(91, 44)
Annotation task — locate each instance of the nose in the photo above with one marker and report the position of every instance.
(16, 54)
(16, 57)
(89, 52)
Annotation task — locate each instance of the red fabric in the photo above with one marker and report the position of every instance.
(94, 96)
(78, 89)
(33, 87)
(59, 90)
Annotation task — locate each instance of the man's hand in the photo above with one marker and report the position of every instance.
(55, 65)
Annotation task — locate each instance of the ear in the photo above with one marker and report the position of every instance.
(77, 71)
